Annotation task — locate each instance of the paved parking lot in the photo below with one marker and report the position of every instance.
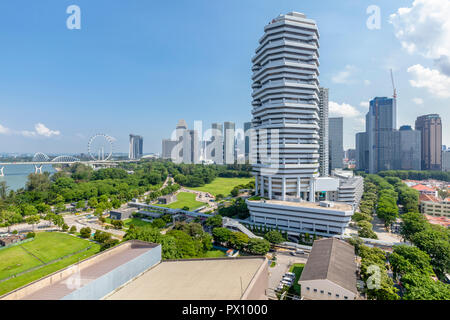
(284, 261)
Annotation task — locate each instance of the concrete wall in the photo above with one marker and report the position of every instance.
(109, 282)
(256, 289)
(327, 287)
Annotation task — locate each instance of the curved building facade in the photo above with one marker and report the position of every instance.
(285, 137)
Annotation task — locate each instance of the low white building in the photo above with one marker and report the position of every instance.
(330, 272)
(323, 218)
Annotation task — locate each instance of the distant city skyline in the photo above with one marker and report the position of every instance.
(60, 86)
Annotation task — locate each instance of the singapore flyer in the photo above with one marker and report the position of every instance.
(100, 147)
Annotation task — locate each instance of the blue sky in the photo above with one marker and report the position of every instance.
(140, 66)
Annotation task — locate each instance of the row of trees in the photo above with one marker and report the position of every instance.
(432, 239)
(413, 268)
(416, 175)
(367, 207)
(373, 271)
(240, 241)
(185, 240)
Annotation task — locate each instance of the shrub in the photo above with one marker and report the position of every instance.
(73, 229)
(30, 235)
(85, 232)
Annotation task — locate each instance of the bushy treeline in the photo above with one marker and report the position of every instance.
(416, 175)
(185, 240)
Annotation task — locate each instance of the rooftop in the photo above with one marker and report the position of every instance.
(421, 187)
(442, 221)
(334, 260)
(338, 206)
(196, 279)
(427, 197)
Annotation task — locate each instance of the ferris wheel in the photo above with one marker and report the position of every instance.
(100, 147)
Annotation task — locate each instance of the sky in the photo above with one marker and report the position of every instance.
(139, 66)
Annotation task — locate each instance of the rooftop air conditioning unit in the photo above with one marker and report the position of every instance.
(326, 204)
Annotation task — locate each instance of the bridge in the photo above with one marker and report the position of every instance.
(41, 159)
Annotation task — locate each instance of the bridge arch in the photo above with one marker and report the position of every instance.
(40, 157)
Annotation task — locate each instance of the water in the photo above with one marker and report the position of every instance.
(16, 175)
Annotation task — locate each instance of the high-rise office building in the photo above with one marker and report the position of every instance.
(229, 144)
(323, 133)
(446, 160)
(191, 147)
(430, 126)
(378, 140)
(136, 147)
(336, 143)
(362, 151)
(286, 108)
(214, 147)
(184, 145)
(247, 133)
(407, 149)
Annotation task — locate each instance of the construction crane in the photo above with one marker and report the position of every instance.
(393, 86)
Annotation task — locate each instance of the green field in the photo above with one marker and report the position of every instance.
(296, 268)
(184, 199)
(47, 246)
(223, 185)
(137, 222)
(214, 254)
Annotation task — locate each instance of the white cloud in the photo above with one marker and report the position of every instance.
(364, 104)
(367, 82)
(417, 100)
(342, 110)
(435, 82)
(344, 75)
(424, 28)
(42, 130)
(39, 130)
(4, 130)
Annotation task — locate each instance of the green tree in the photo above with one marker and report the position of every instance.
(274, 237)
(258, 246)
(239, 240)
(221, 235)
(214, 221)
(85, 232)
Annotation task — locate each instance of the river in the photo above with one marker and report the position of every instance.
(16, 175)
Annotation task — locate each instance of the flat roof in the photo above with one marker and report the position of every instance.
(59, 289)
(197, 279)
(338, 206)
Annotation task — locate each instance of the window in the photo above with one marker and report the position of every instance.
(329, 293)
(321, 291)
(345, 297)
(337, 295)
(315, 290)
(307, 288)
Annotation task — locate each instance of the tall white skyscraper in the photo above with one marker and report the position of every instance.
(286, 108)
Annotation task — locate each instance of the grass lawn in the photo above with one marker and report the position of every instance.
(184, 199)
(214, 254)
(223, 185)
(47, 246)
(136, 221)
(296, 268)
